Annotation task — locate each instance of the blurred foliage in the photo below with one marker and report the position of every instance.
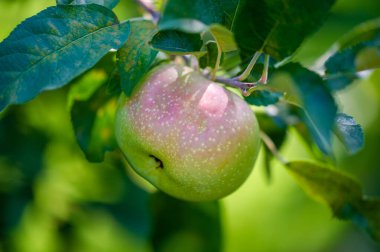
(52, 199)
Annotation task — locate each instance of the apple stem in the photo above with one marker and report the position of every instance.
(272, 147)
(150, 9)
(249, 68)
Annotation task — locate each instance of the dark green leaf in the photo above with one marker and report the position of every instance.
(263, 97)
(50, 49)
(275, 128)
(136, 56)
(107, 3)
(316, 106)
(21, 160)
(92, 113)
(186, 225)
(178, 43)
(340, 192)
(210, 58)
(358, 51)
(206, 11)
(277, 27)
(349, 133)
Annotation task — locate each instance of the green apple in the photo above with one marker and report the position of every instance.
(187, 135)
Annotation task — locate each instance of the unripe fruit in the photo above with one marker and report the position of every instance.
(187, 135)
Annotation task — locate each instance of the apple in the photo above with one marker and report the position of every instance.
(187, 135)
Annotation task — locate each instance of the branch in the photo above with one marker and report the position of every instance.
(235, 83)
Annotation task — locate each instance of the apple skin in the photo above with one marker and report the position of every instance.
(187, 135)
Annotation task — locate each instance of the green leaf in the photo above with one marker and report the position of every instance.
(107, 3)
(21, 164)
(223, 37)
(184, 25)
(276, 129)
(313, 101)
(48, 50)
(92, 113)
(277, 27)
(349, 133)
(136, 56)
(359, 50)
(340, 192)
(207, 11)
(210, 58)
(178, 43)
(263, 97)
(186, 225)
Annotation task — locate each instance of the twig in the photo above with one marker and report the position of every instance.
(155, 15)
(249, 68)
(272, 147)
(235, 83)
(264, 75)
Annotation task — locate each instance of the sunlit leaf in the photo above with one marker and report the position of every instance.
(349, 132)
(223, 37)
(340, 192)
(50, 49)
(107, 3)
(92, 113)
(136, 56)
(186, 225)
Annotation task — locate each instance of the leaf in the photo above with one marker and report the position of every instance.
(21, 162)
(263, 97)
(184, 25)
(210, 58)
(136, 56)
(48, 50)
(277, 27)
(349, 133)
(178, 43)
(187, 225)
(340, 192)
(223, 37)
(107, 3)
(206, 11)
(357, 51)
(312, 100)
(276, 129)
(92, 113)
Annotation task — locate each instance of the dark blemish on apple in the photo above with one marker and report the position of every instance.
(159, 163)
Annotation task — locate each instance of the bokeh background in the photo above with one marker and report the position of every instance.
(52, 199)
